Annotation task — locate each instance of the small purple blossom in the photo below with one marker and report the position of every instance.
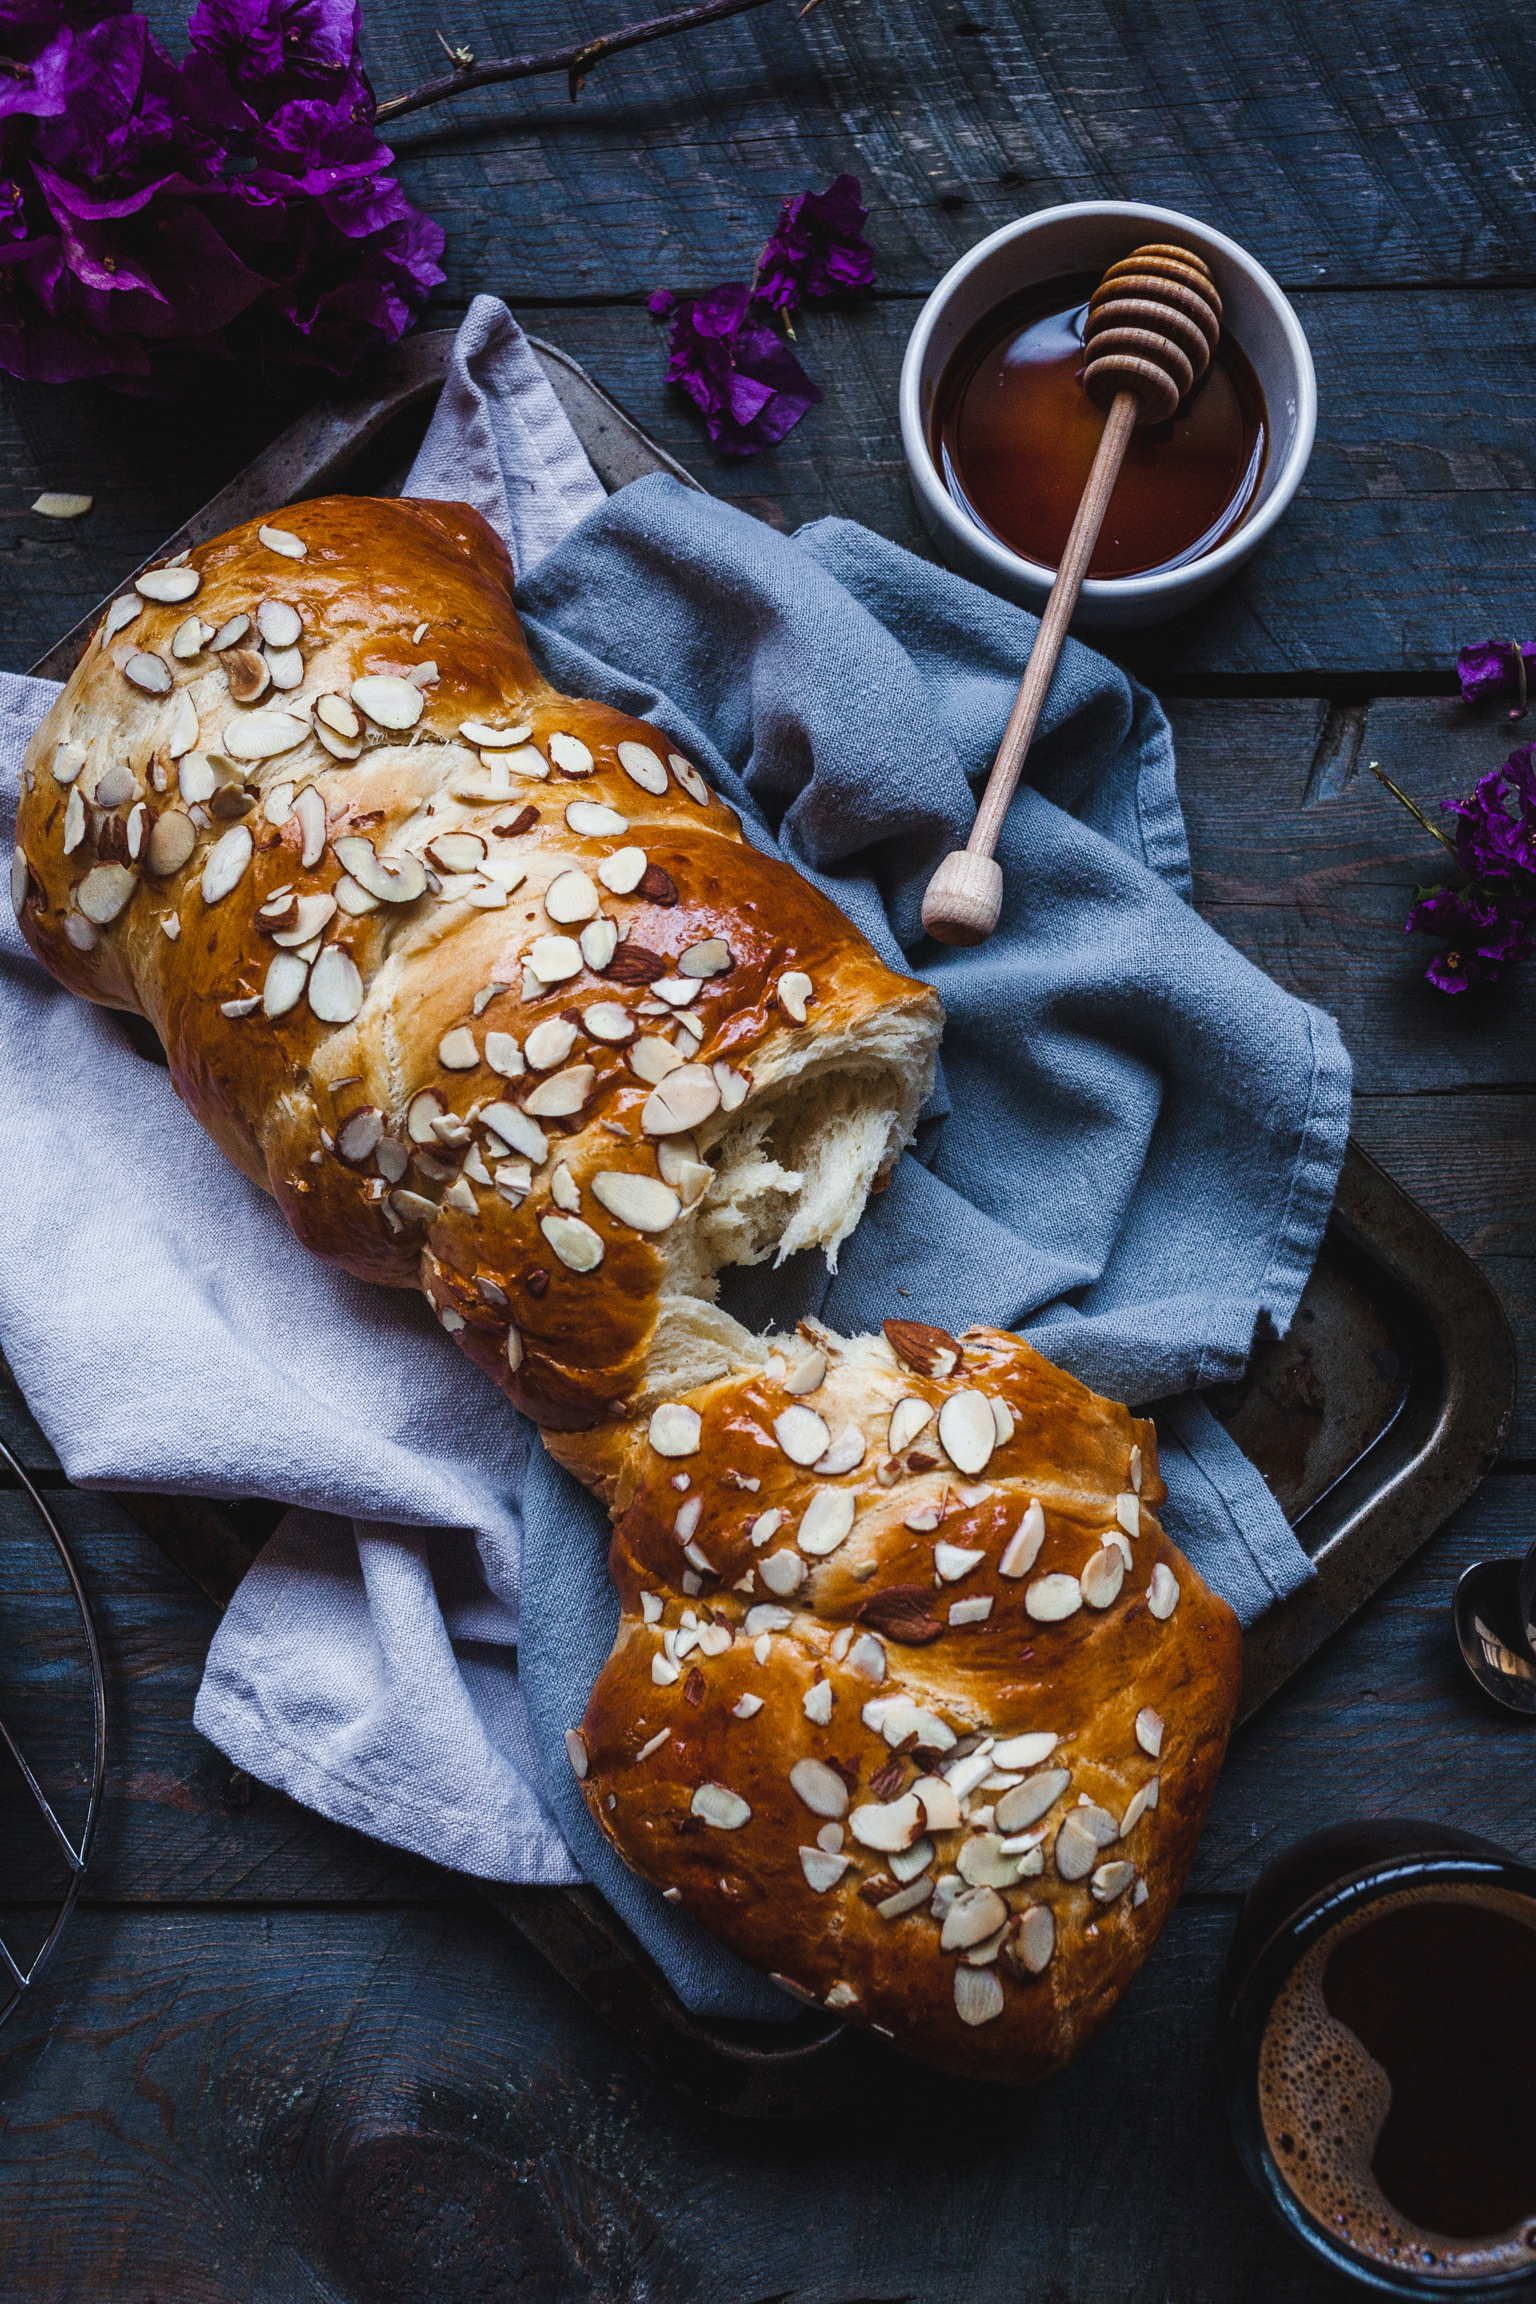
(1490, 672)
(738, 370)
(233, 206)
(1489, 922)
(661, 303)
(817, 248)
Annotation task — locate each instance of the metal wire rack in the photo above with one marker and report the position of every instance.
(15, 1980)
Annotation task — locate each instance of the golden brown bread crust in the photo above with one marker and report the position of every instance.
(652, 1740)
(384, 589)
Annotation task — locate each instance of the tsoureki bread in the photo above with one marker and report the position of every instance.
(912, 1702)
(483, 984)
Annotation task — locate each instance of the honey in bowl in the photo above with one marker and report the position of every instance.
(1014, 436)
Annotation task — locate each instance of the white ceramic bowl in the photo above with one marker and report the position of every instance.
(1086, 237)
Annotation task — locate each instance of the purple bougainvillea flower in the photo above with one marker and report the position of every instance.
(661, 302)
(235, 206)
(817, 248)
(1490, 921)
(738, 370)
(1489, 671)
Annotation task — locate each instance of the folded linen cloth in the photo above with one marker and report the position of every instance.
(1131, 1157)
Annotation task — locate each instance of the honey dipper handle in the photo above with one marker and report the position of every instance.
(965, 895)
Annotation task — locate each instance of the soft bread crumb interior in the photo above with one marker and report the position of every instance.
(793, 1168)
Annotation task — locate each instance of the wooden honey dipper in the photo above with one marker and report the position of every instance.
(1153, 325)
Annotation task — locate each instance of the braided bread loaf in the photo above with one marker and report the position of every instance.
(487, 989)
(484, 985)
(912, 1701)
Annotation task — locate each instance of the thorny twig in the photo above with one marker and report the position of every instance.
(574, 62)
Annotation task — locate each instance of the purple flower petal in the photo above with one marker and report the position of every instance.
(738, 370)
(1489, 671)
(661, 302)
(817, 248)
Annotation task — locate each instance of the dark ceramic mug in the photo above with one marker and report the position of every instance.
(1326, 1886)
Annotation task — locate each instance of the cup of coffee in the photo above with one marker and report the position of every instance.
(1378, 2049)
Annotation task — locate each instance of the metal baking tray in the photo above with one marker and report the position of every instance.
(1371, 1421)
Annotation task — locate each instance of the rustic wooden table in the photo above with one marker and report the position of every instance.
(275, 2061)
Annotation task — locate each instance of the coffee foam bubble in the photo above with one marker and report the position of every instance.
(1324, 2100)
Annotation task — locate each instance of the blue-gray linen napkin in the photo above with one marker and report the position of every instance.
(1130, 1156)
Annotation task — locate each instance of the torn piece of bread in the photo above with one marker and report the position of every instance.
(483, 983)
(912, 1701)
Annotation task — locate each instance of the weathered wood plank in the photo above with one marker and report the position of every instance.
(178, 1823)
(372, 2106)
(1344, 147)
(1316, 893)
(1383, 1721)
(1414, 534)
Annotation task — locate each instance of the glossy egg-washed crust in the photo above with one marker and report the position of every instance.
(384, 587)
(1084, 1679)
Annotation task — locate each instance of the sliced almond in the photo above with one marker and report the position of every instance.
(826, 1522)
(1024, 1751)
(590, 820)
(338, 715)
(867, 1658)
(182, 727)
(643, 767)
(719, 1806)
(822, 1869)
(284, 986)
(967, 1433)
(794, 990)
(335, 987)
(1033, 1941)
(81, 934)
(554, 958)
(766, 1526)
(689, 778)
(550, 1043)
(570, 755)
(1002, 1418)
(674, 1430)
(564, 1190)
(1110, 1881)
(394, 880)
(228, 635)
(733, 1086)
(517, 1131)
(196, 778)
(952, 1561)
(311, 914)
(353, 898)
(1051, 1599)
(908, 1418)
(891, 1824)
(1163, 1592)
(816, 1703)
(456, 1051)
(561, 1094)
(570, 897)
(68, 760)
(982, 1864)
(801, 1433)
(358, 1136)
(388, 701)
(641, 1201)
(104, 892)
(114, 785)
(1140, 1802)
(1128, 1513)
(457, 851)
(121, 613)
(622, 872)
(651, 1060)
(973, 1916)
(1023, 1547)
(1149, 1730)
(279, 623)
(190, 639)
(808, 1375)
(606, 1020)
(685, 1099)
(599, 942)
(151, 673)
(578, 1247)
(677, 991)
(711, 958)
(284, 541)
(74, 821)
(61, 504)
(309, 812)
(782, 1572)
(1077, 1849)
(167, 585)
(422, 1113)
(503, 1055)
(1015, 1811)
(138, 818)
(263, 735)
(1102, 1578)
(248, 673)
(225, 863)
